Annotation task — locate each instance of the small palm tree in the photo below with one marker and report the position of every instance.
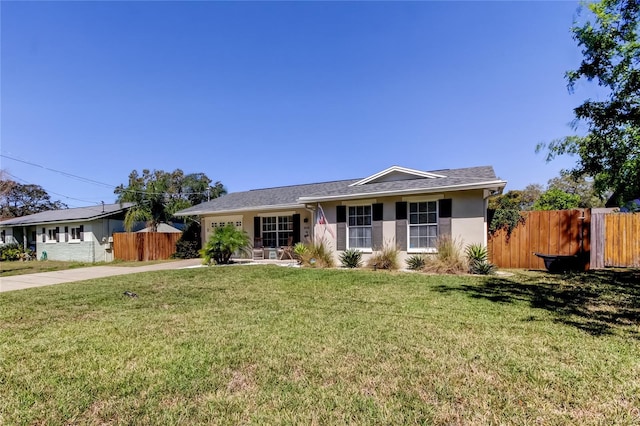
(223, 243)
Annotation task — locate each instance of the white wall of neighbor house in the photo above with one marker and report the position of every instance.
(94, 245)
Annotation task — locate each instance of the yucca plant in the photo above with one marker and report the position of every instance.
(478, 260)
(415, 262)
(351, 258)
(299, 251)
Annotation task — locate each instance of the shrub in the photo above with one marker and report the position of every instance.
(385, 258)
(478, 260)
(223, 243)
(317, 255)
(415, 262)
(448, 259)
(351, 258)
(11, 251)
(188, 246)
(299, 251)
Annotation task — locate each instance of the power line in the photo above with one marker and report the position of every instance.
(49, 192)
(95, 182)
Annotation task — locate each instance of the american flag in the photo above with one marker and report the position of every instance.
(322, 220)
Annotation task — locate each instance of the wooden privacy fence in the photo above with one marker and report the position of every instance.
(616, 240)
(562, 232)
(143, 246)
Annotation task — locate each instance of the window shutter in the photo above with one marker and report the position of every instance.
(401, 210)
(341, 214)
(81, 232)
(341, 237)
(296, 228)
(376, 235)
(376, 211)
(66, 234)
(44, 235)
(401, 231)
(256, 227)
(444, 207)
(57, 234)
(444, 226)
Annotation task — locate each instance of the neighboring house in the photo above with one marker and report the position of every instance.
(405, 207)
(162, 227)
(81, 234)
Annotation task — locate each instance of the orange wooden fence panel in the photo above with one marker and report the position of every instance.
(144, 246)
(564, 232)
(622, 240)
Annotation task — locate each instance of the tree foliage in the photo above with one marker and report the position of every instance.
(517, 199)
(158, 194)
(556, 199)
(18, 199)
(578, 185)
(610, 149)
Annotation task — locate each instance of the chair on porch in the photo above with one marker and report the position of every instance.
(258, 249)
(287, 251)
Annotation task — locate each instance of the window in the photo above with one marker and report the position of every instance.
(276, 230)
(75, 234)
(359, 221)
(423, 225)
(52, 235)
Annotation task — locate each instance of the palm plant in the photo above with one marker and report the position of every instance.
(223, 243)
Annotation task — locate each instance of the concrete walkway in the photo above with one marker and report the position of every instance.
(19, 282)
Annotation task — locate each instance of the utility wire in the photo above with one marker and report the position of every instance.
(49, 192)
(95, 182)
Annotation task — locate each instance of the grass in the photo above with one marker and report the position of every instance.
(20, 268)
(273, 345)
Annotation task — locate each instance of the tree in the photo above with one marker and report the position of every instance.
(580, 186)
(18, 199)
(610, 149)
(158, 195)
(517, 199)
(556, 199)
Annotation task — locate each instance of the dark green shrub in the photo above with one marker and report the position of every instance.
(11, 251)
(186, 250)
(415, 262)
(351, 258)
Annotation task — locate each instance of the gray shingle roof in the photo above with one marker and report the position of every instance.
(68, 215)
(297, 195)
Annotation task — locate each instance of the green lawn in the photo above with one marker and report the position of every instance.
(273, 345)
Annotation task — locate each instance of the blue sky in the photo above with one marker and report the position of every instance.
(278, 93)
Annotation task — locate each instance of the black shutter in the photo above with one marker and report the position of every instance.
(401, 210)
(296, 228)
(256, 227)
(81, 232)
(376, 211)
(44, 235)
(57, 234)
(445, 207)
(341, 214)
(66, 234)
(401, 234)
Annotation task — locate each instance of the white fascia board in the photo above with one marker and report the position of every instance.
(243, 210)
(399, 169)
(464, 187)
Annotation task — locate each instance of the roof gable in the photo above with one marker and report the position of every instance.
(396, 173)
(77, 214)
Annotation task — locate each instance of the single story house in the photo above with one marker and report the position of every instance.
(83, 234)
(401, 206)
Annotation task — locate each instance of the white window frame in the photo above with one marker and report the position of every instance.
(50, 235)
(366, 249)
(71, 238)
(282, 227)
(419, 225)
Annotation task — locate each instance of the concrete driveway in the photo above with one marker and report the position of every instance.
(19, 282)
